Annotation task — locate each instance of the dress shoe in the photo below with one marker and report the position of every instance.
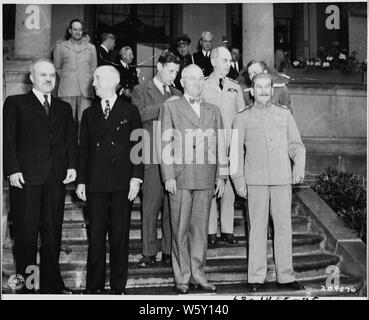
(204, 286)
(118, 292)
(182, 288)
(291, 286)
(147, 261)
(229, 238)
(166, 258)
(96, 291)
(255, 287)
(212, 239)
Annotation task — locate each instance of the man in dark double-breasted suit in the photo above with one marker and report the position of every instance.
(109, 177)
(40, 155)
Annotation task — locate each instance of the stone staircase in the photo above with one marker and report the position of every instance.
(226, 264)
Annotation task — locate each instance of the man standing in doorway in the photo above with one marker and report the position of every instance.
(149, 98)
(128, 74)
(75, 62)
(226, 94)
(202, 57)
(104, 50)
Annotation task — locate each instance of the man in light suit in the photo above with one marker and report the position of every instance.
(149, 97)
(108, 179)
(40, 158)
(268, 133)
(191, 175)
(75, 62)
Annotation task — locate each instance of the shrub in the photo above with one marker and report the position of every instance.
(346, 195)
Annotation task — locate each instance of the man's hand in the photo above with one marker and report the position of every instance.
(81, 192)
(16, 180)
(134, 188)
(171, 98)
(297, 180)
(219, 190)
(242, 192)
(71, 176)
(171, 186)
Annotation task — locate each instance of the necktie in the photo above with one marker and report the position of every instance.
(166, 93)
(107, 109)
(194, 100)
(221, 84)
(46, 105)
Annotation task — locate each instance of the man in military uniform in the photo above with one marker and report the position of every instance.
(202, 57)
(128, 74)
(271, 138)
(227, 95)
(281, 94)
(182, 43)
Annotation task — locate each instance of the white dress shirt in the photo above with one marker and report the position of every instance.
(125, 65)
(206, 53)
(40, 96)
(160, 85)
(111, 102)
(195, 106)
(101, 45)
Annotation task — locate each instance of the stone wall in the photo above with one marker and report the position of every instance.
(332, 122)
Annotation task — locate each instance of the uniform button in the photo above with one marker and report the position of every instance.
(271, 149)
(97, 144)
(113, 160)
(118, 128)
(113, 143)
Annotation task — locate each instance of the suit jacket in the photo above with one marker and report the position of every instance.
(233, 73)
(148, 98)
(35, 144)
(128, 78)
(203, 62)
(75, 65)
(105, 163)
(191, 170)
(103, 57)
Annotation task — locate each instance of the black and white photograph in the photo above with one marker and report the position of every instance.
(177, 150)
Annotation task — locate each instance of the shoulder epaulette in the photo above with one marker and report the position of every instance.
(278, 85)
(281, 106)
(235, 81)
(245, 108)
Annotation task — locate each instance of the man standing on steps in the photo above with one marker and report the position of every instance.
(75, 62)
(226, 94)
(104, 50)
(40, 158)
(270, 137)
(202, 57)
(191, 177)
(149, 98)
(109, 178)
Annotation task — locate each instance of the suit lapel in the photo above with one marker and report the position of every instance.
(112, 119)
(189, 113)
(154, 92)
(37, 107)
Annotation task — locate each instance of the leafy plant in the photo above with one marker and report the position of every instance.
(346, 195)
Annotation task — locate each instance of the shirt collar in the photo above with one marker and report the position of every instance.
(160, 85)
(206, 53)
(40, 96)
(261, 106)
(101, 45)
(111, 102)
(125, 65)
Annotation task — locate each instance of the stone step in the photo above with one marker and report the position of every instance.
(76, 251)
(348, 287)
(218, 270)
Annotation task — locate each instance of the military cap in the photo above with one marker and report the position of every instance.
(182, 39)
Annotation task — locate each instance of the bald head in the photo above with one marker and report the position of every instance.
(221, 60)
(192, 80)
(106, 80)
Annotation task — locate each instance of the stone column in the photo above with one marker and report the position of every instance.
(32, 30)
(258, 32)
